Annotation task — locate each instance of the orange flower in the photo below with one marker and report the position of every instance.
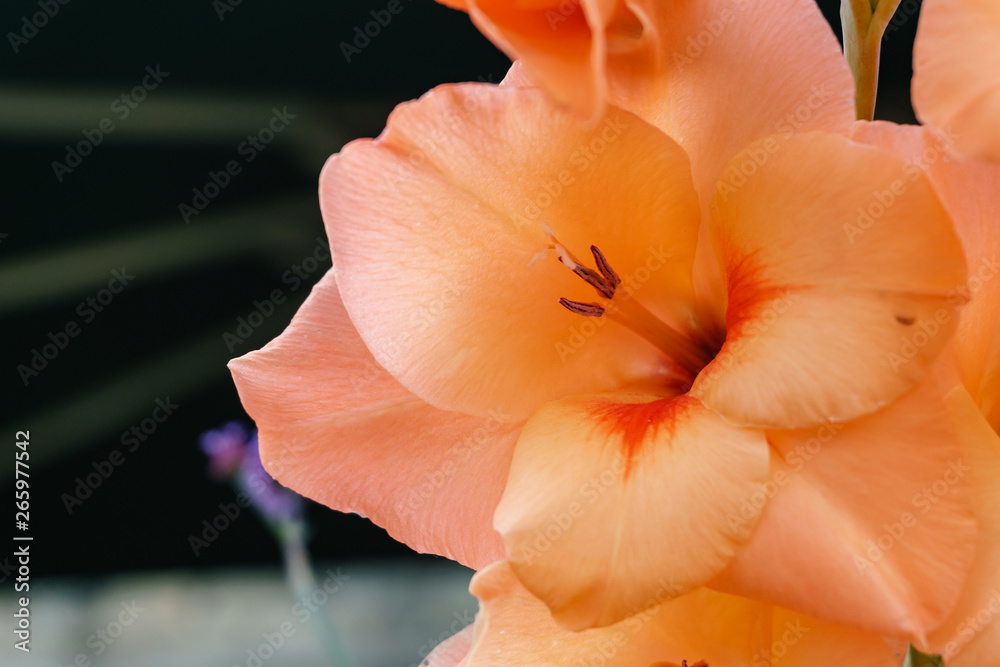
(726, 382)
(969, 636)
(956, 73)
(700, 629)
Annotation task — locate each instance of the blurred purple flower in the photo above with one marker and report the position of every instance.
(233, 451)
(272, 500)
(224, 447)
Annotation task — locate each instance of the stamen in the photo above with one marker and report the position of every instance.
(585, 309)
(625, 310)
(595, 280)
(604, 267)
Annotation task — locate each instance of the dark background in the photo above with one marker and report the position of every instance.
(163, 334)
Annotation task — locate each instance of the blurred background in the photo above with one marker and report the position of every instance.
(134, 265)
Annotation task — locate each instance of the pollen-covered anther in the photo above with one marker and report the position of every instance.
(580, 308)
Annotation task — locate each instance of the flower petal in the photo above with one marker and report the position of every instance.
(970, 191)
(436, 229)
(634, 490)
(898, 545)
(452, 651)
(970, 637)
(729, 72)
(956, 73)
(724, 73)
(839, 261)
(563, 44)
(337, 428)
(514, 629)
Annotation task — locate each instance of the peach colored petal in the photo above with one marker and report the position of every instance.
(563, 44)
(724, 73)
(839, 261)
(970, 191)
(728, 72)
(452, 651)
(956, 73)
(436, 229)
(870, 523)
(970, 637)
(514, 629)
(337, 428)
(634, 490)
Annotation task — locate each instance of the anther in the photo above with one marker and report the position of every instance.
(605, 268)
(596, 280)
(580, 308)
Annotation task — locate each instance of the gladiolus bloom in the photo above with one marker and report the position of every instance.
(612, 340)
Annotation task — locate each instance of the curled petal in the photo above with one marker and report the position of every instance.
(562, 44)
(840, 262)
(970, 636)
(956, 73)
(514, 629)
(970, 191)
(637, 491)
(898, 544)
(337, 428)
(452, 651)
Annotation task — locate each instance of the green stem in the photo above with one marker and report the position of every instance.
(303, 584)
(864, 23)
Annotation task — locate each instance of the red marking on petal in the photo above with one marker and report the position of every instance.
(636, 423)
(748, 290)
